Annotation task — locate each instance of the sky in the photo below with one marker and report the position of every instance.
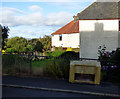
(37, 18)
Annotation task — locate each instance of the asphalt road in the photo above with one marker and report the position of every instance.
(55, 84)
(21, 92)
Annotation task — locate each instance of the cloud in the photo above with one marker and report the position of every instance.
(35, 8)
(16, 17)
(31, 32)
(58, 18)
(10, 9)
(8, 15)
(52, 0)
(33, 24)
(30, 19)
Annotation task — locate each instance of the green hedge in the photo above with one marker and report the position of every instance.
(58, 68)
(55, 53)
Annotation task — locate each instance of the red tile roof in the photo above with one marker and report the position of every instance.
(69, 28)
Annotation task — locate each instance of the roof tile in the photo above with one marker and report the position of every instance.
(71, 27)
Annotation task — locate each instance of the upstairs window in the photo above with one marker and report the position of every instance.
(60, 37)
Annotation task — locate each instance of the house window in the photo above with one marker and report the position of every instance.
(60, 37)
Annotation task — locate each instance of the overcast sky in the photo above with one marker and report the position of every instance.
(36, 19)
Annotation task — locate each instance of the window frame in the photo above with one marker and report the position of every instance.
(60, 37)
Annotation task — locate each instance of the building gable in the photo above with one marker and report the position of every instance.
(101, 10)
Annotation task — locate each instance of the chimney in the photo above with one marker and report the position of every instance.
(75, 18)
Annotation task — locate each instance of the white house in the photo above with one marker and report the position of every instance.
(67, 36)
(99, 24)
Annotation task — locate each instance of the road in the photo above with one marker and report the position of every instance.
(21, 92)
(85, 90)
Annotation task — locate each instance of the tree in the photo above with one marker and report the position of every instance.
(46, 42)
(16, 44)
(34, 45)
(5, 31)
(38, 47)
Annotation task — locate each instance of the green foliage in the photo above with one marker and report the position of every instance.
(41, 63)
(38, 47)
(71, 55)
(109, 58)
(46, 42)
(54, 53)
(58, 48)
(9, 50)
(29, 48)
(102, 52)
(111, 63)
(17, 44)
(34, 45)
(115, 55)
(58, 68)
(64, 54)
(5, 31)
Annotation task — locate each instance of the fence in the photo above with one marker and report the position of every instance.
(26, 64)
(19, 63)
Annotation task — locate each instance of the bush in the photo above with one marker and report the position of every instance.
(115, 55)
(109, 58)
(9, 50)
(58, 68)
(58, 48)
(110, 64)
(54, 53)
(70, 55)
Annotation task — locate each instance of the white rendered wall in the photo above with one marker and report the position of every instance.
(89, 25)
(68, 40)
(95, 33)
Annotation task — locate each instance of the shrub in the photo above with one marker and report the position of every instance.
(70, 55)
(58, 68)
(54, 53)
(110, 64)
(109, 58)
(58, 48)
(9, 50)
(115, 55)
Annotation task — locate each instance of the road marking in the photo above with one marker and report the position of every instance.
(61, 90)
